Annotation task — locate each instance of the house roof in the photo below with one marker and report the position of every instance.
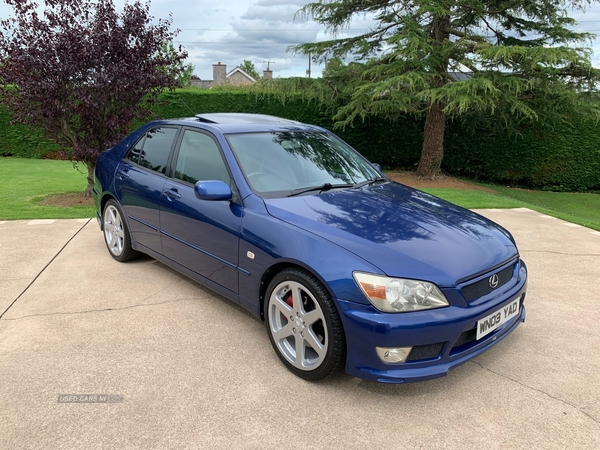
(237, 69)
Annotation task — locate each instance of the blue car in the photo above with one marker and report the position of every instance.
(345, 267)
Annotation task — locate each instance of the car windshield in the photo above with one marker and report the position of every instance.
(279, 164)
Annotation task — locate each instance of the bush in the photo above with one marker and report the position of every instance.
(555, 157)
(21, 140)
(390, 144)
(562, 157)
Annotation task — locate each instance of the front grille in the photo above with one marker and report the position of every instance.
(482, 287)
(420, 352)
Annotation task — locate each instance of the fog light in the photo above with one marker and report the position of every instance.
(395, 355)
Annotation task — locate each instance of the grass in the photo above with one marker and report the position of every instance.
(475, 199)
(580, 208)
(24, 182)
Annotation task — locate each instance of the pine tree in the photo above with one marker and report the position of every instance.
(514, 59)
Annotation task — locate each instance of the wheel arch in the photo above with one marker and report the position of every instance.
(272, 272)
(105, 198)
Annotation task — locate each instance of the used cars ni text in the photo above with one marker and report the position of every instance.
(345, 267)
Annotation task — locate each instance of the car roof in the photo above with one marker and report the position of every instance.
(244, 123)
(239, 118)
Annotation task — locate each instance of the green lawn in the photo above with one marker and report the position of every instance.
(583, 209)
(24, 182)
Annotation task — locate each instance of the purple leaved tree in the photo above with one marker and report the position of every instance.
(82, 71)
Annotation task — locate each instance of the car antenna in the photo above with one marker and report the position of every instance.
(187, 106)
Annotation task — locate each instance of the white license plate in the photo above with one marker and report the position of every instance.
(489, 323)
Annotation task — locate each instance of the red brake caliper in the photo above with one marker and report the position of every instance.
(289, 299)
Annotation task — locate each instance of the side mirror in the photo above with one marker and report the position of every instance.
(214, 190)
(377, 166)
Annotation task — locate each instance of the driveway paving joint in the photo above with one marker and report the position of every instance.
(577, 408)
(67, 313)
(44, 268)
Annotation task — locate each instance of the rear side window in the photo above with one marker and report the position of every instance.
(200, 159)
(152, 151)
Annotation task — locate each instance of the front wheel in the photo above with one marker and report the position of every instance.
(116, 233)
(304, 326)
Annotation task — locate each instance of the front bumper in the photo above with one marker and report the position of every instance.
(441, 338)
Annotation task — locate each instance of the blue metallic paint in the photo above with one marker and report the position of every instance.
(201, 235)
(402, 231)
(385, 229)
(139, 192)
(212, 190)
(443, 325)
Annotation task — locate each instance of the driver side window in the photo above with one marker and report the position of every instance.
(199, 159)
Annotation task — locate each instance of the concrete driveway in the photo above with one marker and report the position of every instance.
(185, 368)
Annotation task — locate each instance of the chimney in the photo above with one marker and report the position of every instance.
(219, 73)
(267, 74)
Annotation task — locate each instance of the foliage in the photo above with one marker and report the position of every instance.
(248, 67)
(564, 157)
(557, 156)
(181, 72)
(513, 60)
(82, 72)
(23, 140)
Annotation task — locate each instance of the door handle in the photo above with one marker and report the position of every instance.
(172, 194)
(122, 174)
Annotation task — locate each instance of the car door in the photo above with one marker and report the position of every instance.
(199, 234)
(139, 182)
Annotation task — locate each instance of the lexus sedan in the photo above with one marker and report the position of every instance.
(345, 267)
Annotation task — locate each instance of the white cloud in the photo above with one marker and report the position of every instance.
(272, 14)
(262, 30)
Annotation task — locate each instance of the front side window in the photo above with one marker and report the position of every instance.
(199, 159)
(154, 149)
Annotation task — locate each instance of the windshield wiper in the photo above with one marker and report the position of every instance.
(369, 182)
(321, 188)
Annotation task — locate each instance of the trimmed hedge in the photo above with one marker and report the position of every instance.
(564, 157)
(395, 144)
(22, 140)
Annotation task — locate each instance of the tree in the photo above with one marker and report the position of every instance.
(82, 72)
(248, 67)
(181, 72)
(512, 59)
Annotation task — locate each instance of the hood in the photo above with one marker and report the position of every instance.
(402, 231)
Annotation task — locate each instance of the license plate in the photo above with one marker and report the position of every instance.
(489, 323)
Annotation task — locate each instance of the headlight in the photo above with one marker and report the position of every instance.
(399, 294)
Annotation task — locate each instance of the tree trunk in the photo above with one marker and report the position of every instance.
(90, 179)
(435, 121)
(433, 142)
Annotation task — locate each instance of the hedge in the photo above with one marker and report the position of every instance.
(396, 144)
(561, 157)
(22, 140)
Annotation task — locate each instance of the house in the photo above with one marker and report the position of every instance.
(236, 77)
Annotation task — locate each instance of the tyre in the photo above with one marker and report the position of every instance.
(116, 233)
(304, 326)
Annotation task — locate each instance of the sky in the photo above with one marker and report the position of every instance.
(262, 30)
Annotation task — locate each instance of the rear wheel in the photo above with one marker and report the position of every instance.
(304, 326)
(116, 233)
